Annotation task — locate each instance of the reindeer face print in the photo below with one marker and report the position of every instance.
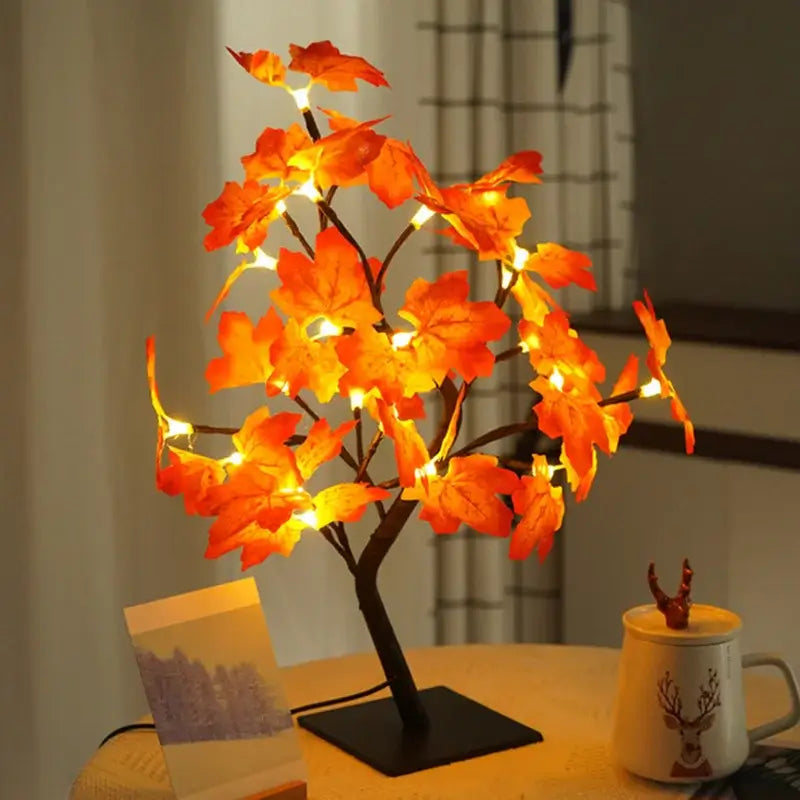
(691, 761)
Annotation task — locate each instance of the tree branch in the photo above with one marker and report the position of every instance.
(292, 226)
(510, 353)
(407, 231)
(495, 434)
(373, 447)
(344, 542)
(311, 124)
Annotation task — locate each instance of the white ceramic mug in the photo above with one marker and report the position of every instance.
(680, 708)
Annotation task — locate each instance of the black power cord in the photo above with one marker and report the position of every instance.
(149, 726)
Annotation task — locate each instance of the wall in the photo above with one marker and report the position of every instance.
(717, 126)
(737, 523)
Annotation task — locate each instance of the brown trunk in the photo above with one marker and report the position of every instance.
(401, 682)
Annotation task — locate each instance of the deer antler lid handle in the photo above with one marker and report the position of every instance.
(675, 609)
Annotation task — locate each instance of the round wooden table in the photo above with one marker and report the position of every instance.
(565, 692)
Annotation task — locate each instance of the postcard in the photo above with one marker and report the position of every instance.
(216, 696)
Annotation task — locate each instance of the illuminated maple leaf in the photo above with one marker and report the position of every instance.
(274, 148)
(522, 167)
(579, 482)
(372, 362)
(542, 508)
(320, 445)
(560, 267)
(410, 407)
(342, 157)
(483, 220)
(300, 363)
(410, 450)
(264, 66)
(453, 425)
(619, 415)
(534, 301)
(345, 502)
(332, 286)
(242, 210)
(574, 416)
(656, 332)
(333, 69)
(554, 345)
(256, 543)
(246, 350)
(195, 477)
(261, 442)
(452, 331)
(467, 494)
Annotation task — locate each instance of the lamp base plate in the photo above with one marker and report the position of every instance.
(460, 728)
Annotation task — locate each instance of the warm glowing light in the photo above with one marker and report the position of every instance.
(401, 339)
(531, 343)
(308, 518)
(491, 198)
(356, 398)
(650, 389)
(507, 277)
(521, 256)
(524, 347)
(235, 458)
(422, 216)
(282, 386)
(263, 260)
(280, 207)
(328, 328)
(426, 471)
(301, 98)
(572, 333)
(177, 428)
(309, 190)
(557, 379)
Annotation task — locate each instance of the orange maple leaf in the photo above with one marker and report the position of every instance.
(484, 220)
(195, 477)
(320, 445)
(246, 350)
(522, 167)
(342, 157)
(261, 442)
(264, 66)
(576, 417)
(243, 211)
(534, 301)
(560, 266)
(300, 363)
(345, 502)
(333, 69)
(372, 362)
(410, 407)
(619, 415)
(332, 286)
(256, 542)
(579, 482)
(656, 332)
(410, 450)
(274, 148)
(392, 173)
(452, 331)
(542, 508)
(467, 494)
(553, 344)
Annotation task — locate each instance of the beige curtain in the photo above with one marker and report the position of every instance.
(122, 120)
(497, 91)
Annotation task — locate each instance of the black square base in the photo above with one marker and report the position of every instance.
(460, 728)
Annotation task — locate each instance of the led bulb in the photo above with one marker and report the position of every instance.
(309, 190)
(356, 398)
(301, 98)
(263, 260)
(328, 328)
(280, 207)
(557, 379)
(427, 470)
(507, 277)
(235, 458)
(521, 256)
(177, 428)
(650, 389)
(308, 518)
(422, 216)
(402, 339)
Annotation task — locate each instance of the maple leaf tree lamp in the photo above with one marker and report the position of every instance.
(335, 341)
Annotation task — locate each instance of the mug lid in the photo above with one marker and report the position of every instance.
(707, 625)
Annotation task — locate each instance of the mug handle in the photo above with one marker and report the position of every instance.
(787, 720)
